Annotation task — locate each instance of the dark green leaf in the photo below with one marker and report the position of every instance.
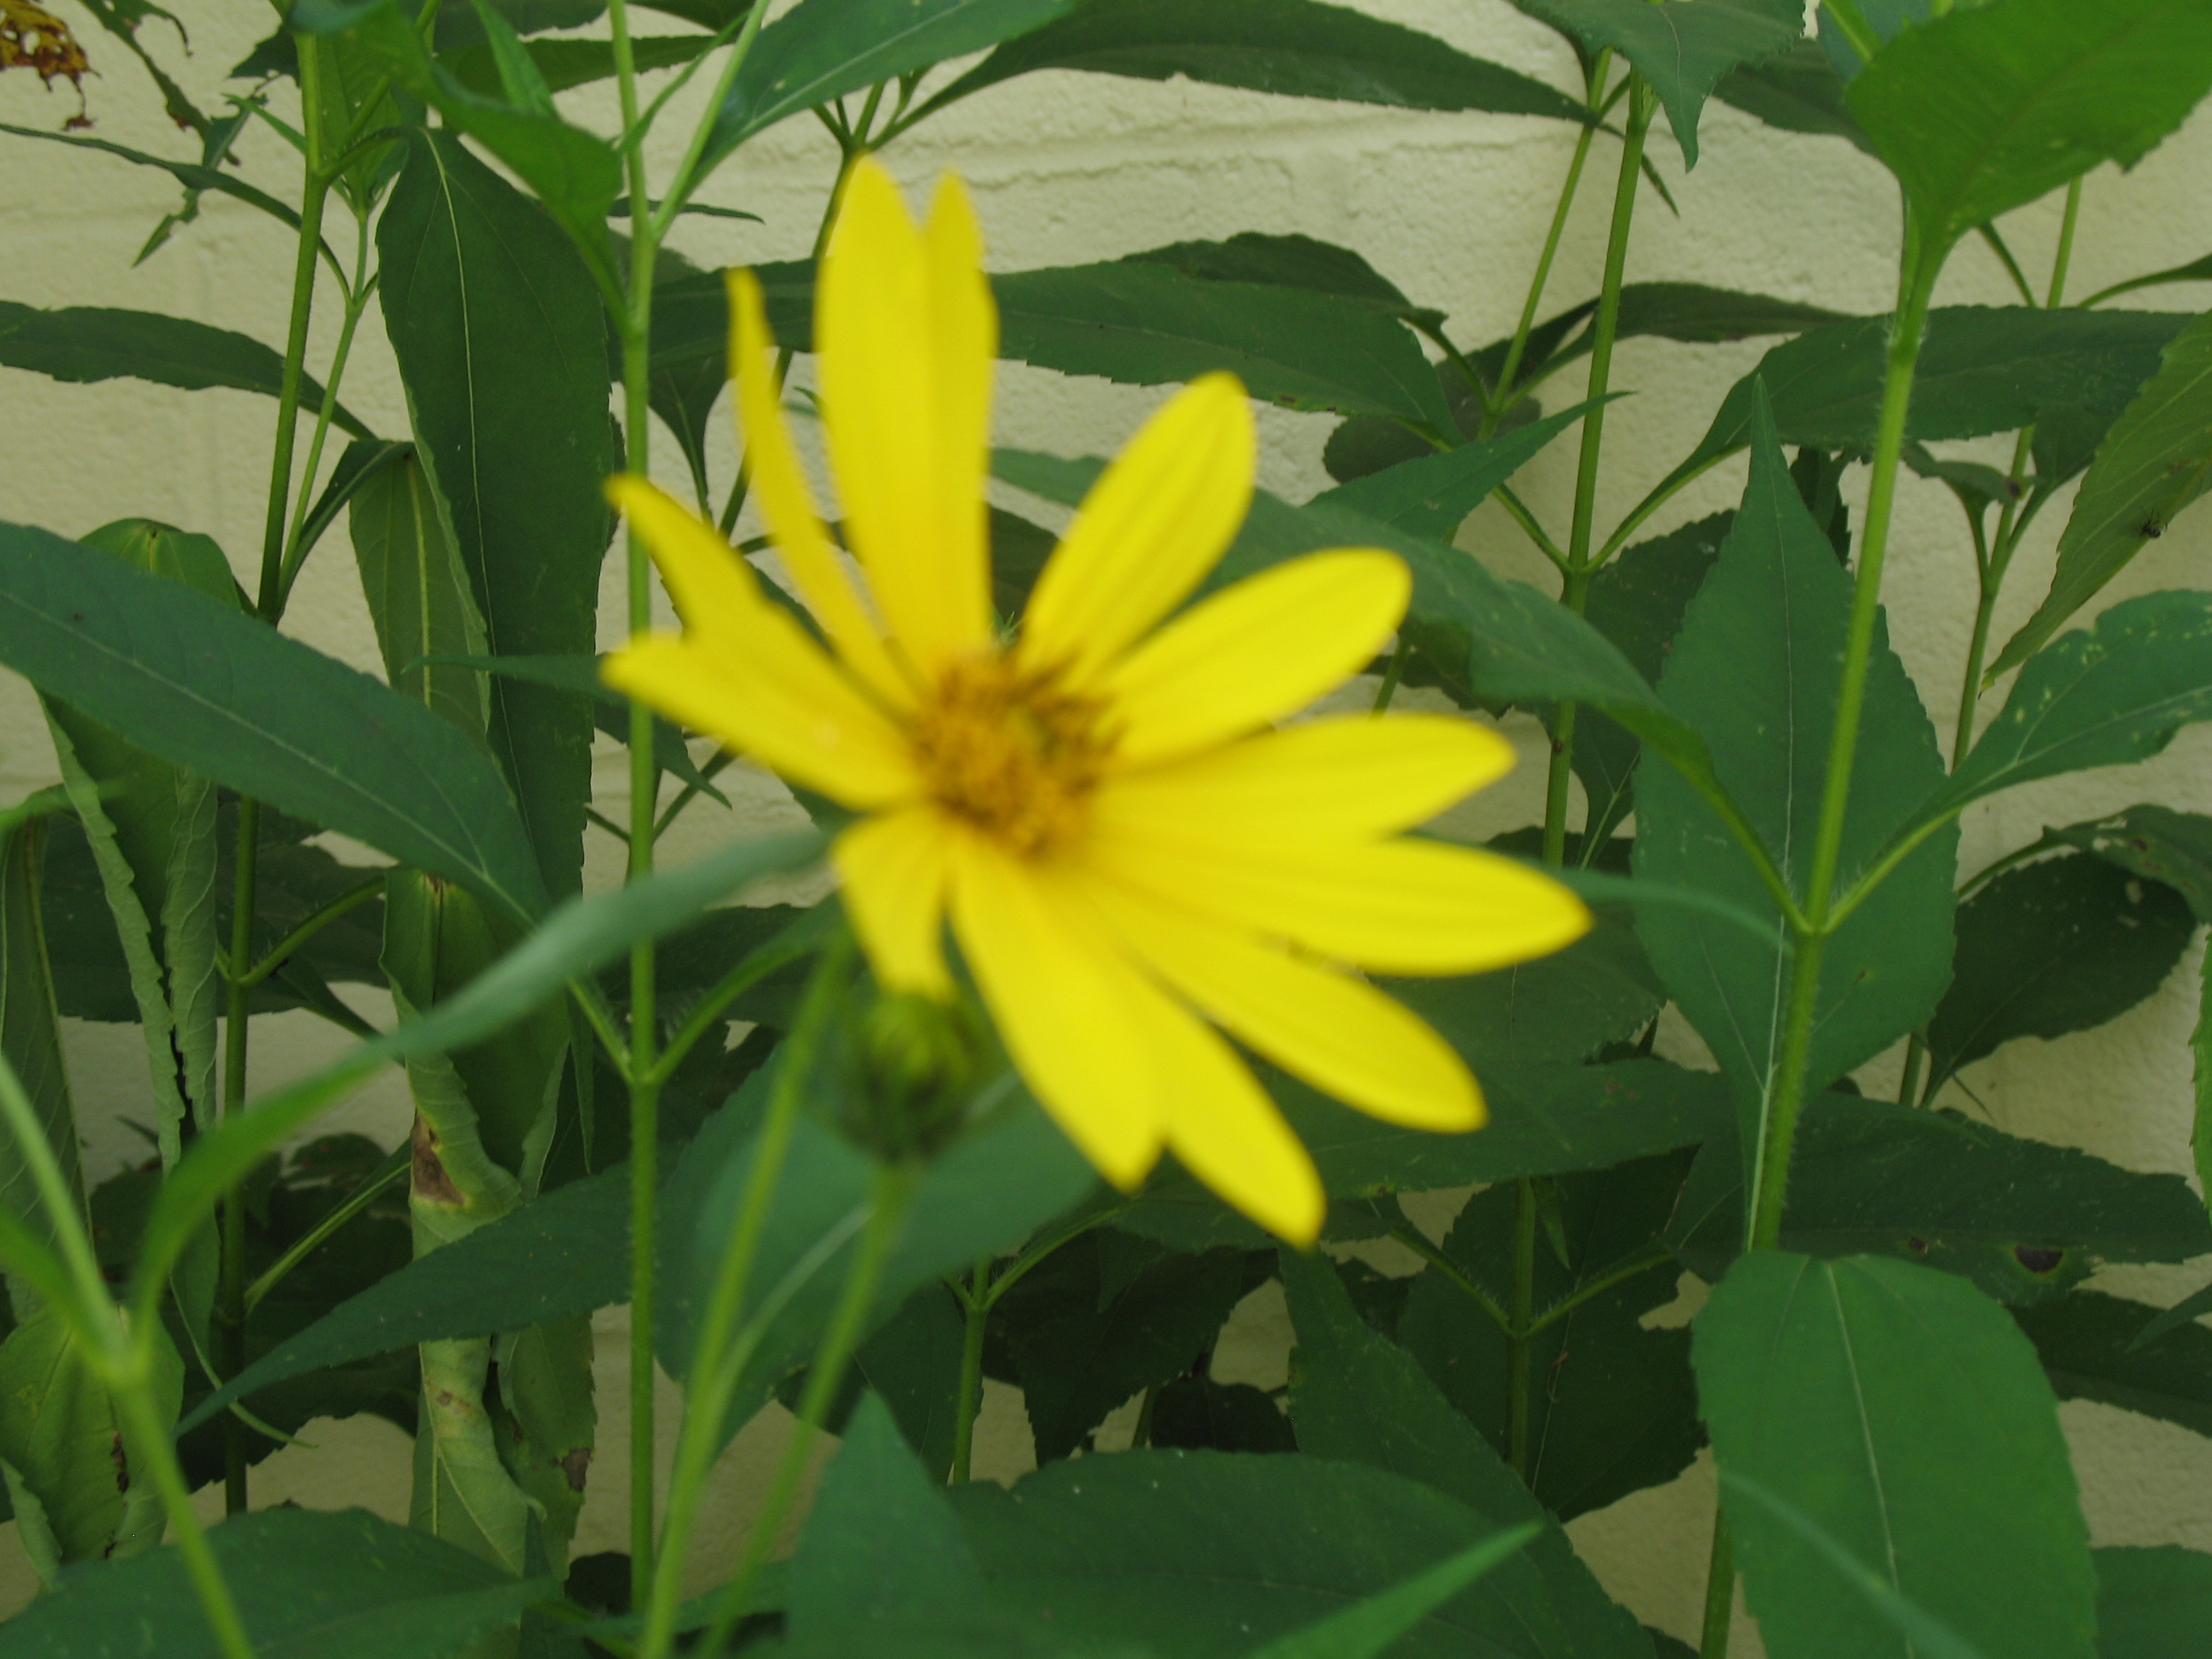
(1798, 91)
(566, 1253)
(2088, 1344)
(880, 1543)
(1199, 1555)
(1431, 495)
(1612, 1409)
(1904, 1415)
(2101, 696)
(2152, 1604)
(363, 459)
(1357, 1396)
(2154, 842)
(1290, 47)
(67, 1467)
(1150, 324)
(1292, 261)
(1198, 1413)
(1370, 1629)
(337, 1584)
(1682, 47)
(565, 64)
(30, 1038)
(417, 593)
(99, 343)
(2058, 946)
(1756, 671)
(203, 686)
(499, 335)
(1082, 1344)
(2153, 463)
(2022, 1219)
(1983, 109)
(820, 50)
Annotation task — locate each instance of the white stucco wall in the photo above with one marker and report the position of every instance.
(1066, 169)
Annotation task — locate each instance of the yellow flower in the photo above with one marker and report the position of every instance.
(1133, 860)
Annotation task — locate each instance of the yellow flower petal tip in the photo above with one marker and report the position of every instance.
(1136, 863)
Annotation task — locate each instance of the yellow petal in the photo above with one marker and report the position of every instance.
(777, 698)
(1072, 1011)
(1345, 778)
(1228, 1133)
(895, 867)
(906, 331)
(787, 505)
(1262, 649)
(1399, 907)
(715, 589)
(1157, 519)
(1338, 1033)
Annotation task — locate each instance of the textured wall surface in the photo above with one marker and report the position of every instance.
(1068, 169)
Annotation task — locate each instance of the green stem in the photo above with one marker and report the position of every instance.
(1770, 1178)
(231, 1316)
(709, 1011)
(352, 899)
(1598, 1286)
(685, 179)
(357, 301)
(1916, 1056)
(967, 1400)
(712, 1380)
(636, 333)
(1391, 675)
(1720, 1591)
(1506, 396)
(152, 1446)
(64, 1209)
(1414, 1240)
(894, 1186)
(1518, 1334)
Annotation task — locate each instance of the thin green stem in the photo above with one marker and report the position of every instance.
(1785, 1099)
(686, 177)
(712, 1378)
(64, 1209)
(357, 301)
(1916, 1056)
(968, 1399)
(1720, 1591)
(1517, 1334)
(894, 1187)
(1506, 394)
(713, 769)
(1518, 511)
(1598, 1286)
(1414, 1240)
(352, 899)
(150, 1436)
(231, 1318)
(379, 1181)
(710, 1008)
(1391, 675)
(2063, 259)
(636, 333)
(1039, 1248)
(1996, 243)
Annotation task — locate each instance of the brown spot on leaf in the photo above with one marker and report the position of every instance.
(430, 1178)
(576, 1465)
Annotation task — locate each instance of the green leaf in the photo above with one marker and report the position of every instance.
(500, 340)
(2115, 692)
(1682, 47)
(989, 1190)
(193, 175)
(1433, 494)
(565, 1253)
(561, 65)
(2157, 843)
(2153, 463)
(2022, 1219)
(417, 592)
(576, 175)
(1984, 110)
(1197, 1413)
(1293, 48)
(193, 681)
(337, 1584)
(1152, 324)
(1368, 1630)
(101, 343)
(912, 1364)
(2058, 946)
(1292, 261)
(880, 1542)
(1905, 1416)
(363, 459)
(1083, 1341)
(2090, 1348)
(1612, 1408)
(1795, 90)
(574, 940)
(1199, 1554)
(1756, 671)
(30, 1038)
(821, 50)
(2152, 1604)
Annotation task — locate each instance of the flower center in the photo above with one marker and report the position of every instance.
(1011, 753)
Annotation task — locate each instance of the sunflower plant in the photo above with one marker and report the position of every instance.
(1217, 1202)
